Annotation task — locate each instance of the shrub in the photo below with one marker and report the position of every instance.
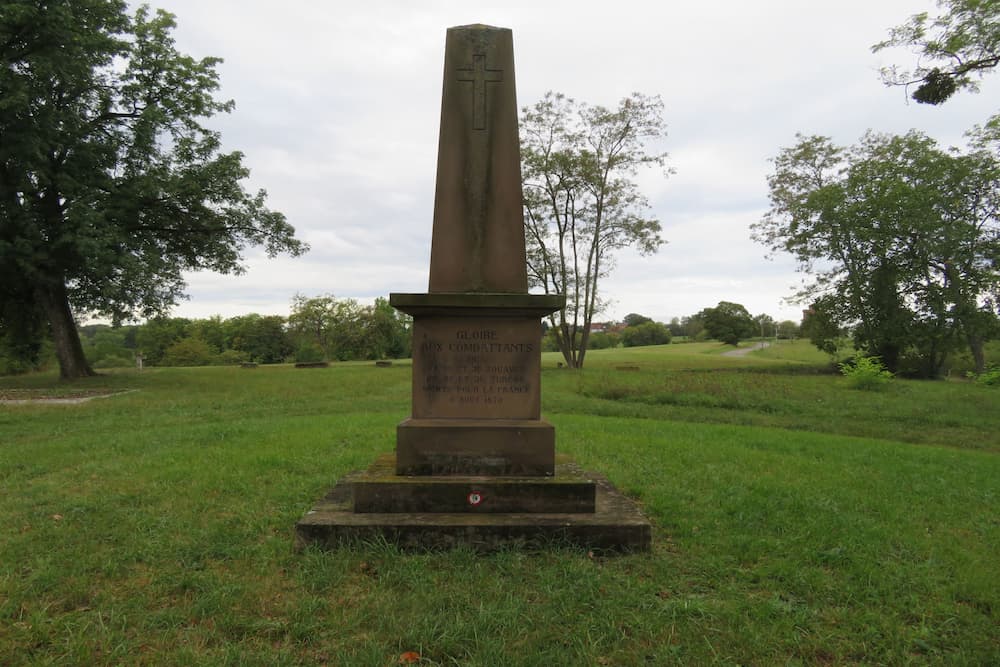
(309, 353)
(603, 341)
(647, 333)
(114, 361)
(988, 378)
(187, 352)
(866, 373)
(230, 358)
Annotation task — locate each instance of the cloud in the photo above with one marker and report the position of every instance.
(338, 108)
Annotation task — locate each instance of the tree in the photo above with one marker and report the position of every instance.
(901, 237)
(821, 325)
(262, 338)
(694, 325)
(386, 331)
(955, 49)
(788, 329)
(343, 329)
(191, 351)
(635, 319)
(582, 203)
(603, 340)
(765, 324)
(645, 333)
(107, 346)
(676, 328)
(110, 186)
(22, 334)
(156, 335)
(728, 322)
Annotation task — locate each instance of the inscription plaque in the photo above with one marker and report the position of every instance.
(482, 368)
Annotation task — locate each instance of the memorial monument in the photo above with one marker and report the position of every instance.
(475, 462)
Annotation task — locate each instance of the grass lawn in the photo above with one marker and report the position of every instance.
(796, 521)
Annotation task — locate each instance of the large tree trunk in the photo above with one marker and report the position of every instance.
(978, 356)
(65, 337)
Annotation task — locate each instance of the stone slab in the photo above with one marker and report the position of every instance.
(379, 490)
(499, 447)
(616, 525)
(478, 304)
(481, 368)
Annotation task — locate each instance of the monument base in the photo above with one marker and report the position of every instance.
(504, 447)
(573, 507)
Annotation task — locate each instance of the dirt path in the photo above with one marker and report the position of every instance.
(75, 400)
(744, 351)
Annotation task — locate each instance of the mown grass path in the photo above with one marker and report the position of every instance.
(796, 522)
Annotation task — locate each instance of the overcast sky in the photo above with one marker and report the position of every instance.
(337, 107)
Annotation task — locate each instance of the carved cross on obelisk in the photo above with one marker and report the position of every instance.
(479, 75)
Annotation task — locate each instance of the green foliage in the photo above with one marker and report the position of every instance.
(582, 203)
(601, 341)
(188, 352)
(989, 378)
(635, 319)
(114, 361)
(230, 357)
(386, 331)
(263, 339)
(343, 329)
(728, 322)
(23, 339)
(866, 373)
(901, 239)
(155, 336)
(645, 333)
(787, 329)
(793, 524)
(821, 325)
(955, 49)
(108, 347)
(111, 185)
(309, 353)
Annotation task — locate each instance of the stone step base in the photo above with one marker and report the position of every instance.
(617, 524)
(380, 490)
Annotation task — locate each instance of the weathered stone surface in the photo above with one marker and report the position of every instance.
(476, 368)
(476, 401)
(616, 525)
(478, 304)
(524, 447)
(478, 241)
(379, 489)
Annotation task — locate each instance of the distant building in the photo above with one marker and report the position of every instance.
(606, 327)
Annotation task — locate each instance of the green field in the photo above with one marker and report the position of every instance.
(796, 521)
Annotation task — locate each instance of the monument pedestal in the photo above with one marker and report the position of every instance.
(520, 447)
(476, 463)
(476, 395)
(485, 513)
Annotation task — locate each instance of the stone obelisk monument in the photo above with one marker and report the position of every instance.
(477, 332)
(475, 462)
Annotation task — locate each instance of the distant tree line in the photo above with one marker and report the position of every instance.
(319, 329)
(326, 328)
(727, 322)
